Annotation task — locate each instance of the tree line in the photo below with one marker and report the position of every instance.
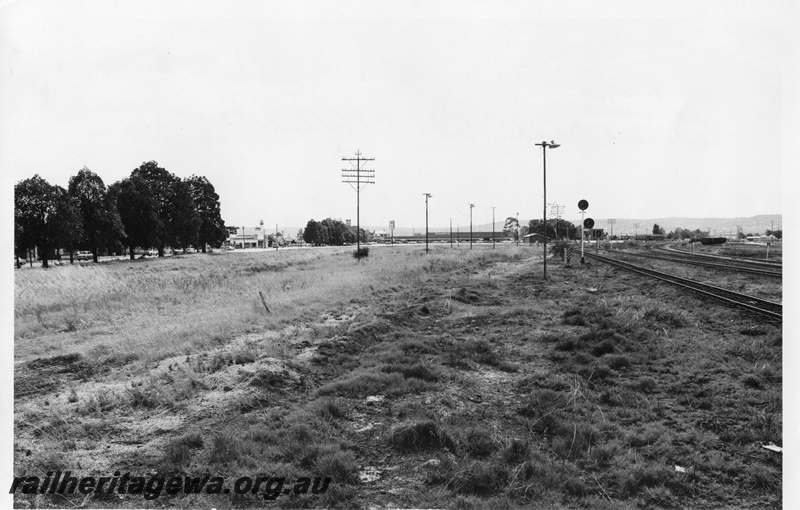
(330, 232)
(151, 208)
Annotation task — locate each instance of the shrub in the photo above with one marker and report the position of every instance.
(618, 361)
(604, 347)
(516, 452)
(417, 371)
(480, 478)
(567, 344)
(329, 408)
(634, 479)
(341, 466)
(425, 435)
(644, 384)
(456, 360)
(225, 449)
(361, 253)
(573, 317)
(664, 317)
(478, 442)
(178, 452)
(752, 381)
(267, 379)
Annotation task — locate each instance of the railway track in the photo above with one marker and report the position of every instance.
(762, 307)
(763, 271)
(737, 260)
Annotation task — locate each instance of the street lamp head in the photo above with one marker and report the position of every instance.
(554, 145)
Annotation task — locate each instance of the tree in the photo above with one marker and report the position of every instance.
(656, 229)
(681, 233)
(339, 233)
(137, 210)
(101, 221)
(35, 209)
(511, 228)
(313, 233)
(183, 222)
(537, 227)
(175, 207)
(68, 223)
(206, 201)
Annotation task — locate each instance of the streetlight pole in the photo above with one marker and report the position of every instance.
(470, 225)
(545, 145)
(427, 196)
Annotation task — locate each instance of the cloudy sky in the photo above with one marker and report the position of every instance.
(661, 108)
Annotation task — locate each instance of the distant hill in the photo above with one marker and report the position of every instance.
(717, 226)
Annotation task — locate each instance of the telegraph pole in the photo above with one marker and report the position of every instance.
(451, 232)
(353, 176)
(611, 222)
(427, 196)
(493, 227)
(556, 210)
(470, 225)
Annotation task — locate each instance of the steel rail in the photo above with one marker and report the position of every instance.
(714, 265)
(752, 262)
(760, 306)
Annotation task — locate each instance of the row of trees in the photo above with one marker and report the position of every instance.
(331, 232)
(554, 229)
(152, 207)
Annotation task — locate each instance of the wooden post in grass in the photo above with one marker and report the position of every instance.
(264, 301)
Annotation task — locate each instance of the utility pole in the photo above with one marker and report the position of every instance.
(427, 196)
(451, 232)
(493, 227)
(276, 237)
(351, 177)
(635, 231)
(611, 222)
(470, 225)
(517, 228)
(556, 210)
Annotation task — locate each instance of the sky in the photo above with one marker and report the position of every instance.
(662, 109)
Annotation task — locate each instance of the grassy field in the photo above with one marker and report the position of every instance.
(457, 379)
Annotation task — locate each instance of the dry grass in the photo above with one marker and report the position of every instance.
(465, 380)
(154, 310)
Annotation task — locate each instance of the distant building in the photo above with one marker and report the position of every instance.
(247, 237)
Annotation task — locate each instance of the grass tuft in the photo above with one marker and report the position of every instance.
(425, 435)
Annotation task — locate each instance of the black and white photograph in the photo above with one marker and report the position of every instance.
(404, 254)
